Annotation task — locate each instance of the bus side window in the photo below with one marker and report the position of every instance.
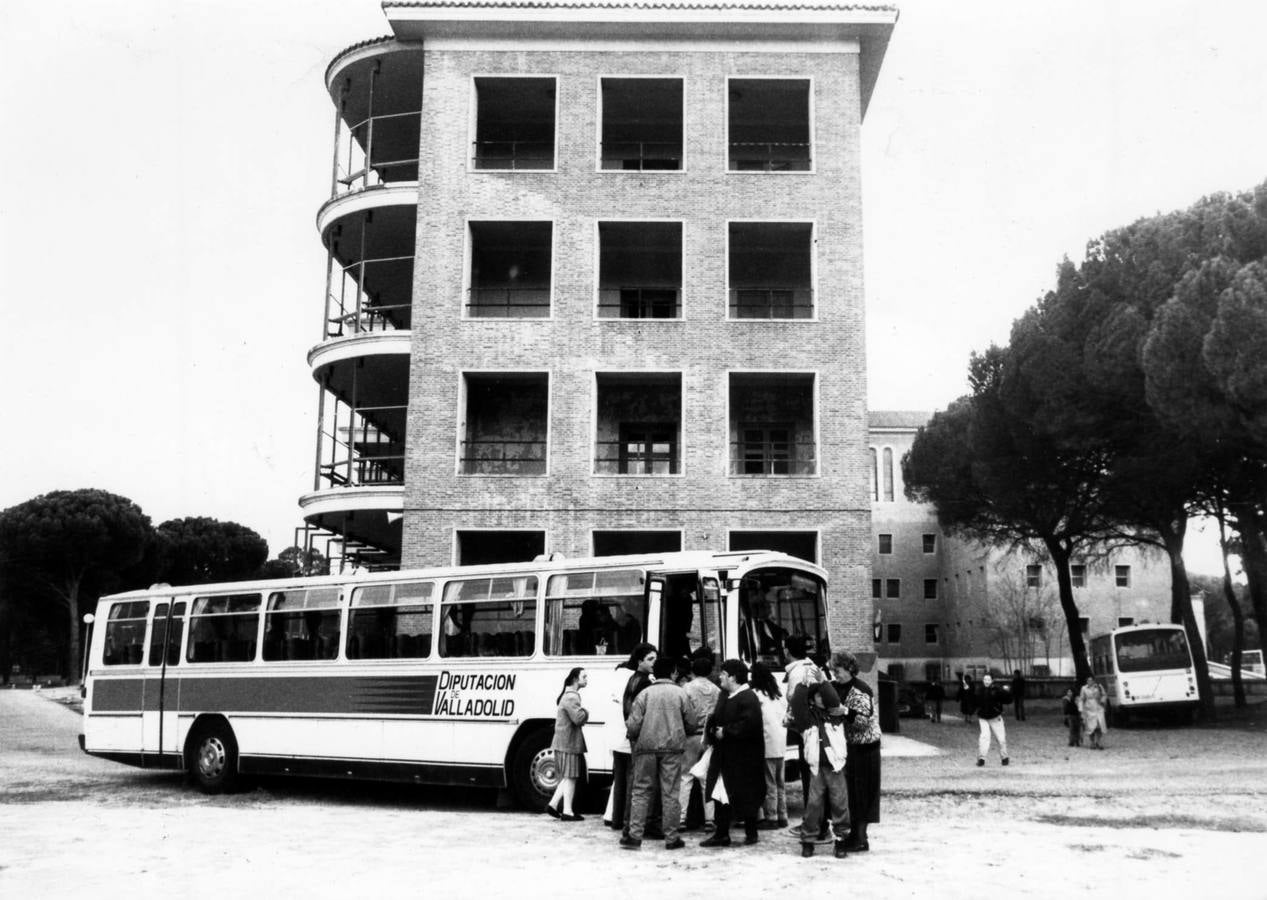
(489, 617)
(125, 633)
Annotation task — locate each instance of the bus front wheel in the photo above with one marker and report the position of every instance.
(213, 759)
(533, 773)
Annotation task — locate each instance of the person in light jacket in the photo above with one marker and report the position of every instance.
(774, 732)
(568, 744)
(1091, 704)
(658, 723)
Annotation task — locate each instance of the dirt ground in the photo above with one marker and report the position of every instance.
(1162, 812)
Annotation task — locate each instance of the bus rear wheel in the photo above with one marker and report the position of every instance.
(213, 758)
(533, 773)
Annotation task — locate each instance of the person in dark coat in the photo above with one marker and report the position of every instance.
(1018, 695)
(641, 662)
(937, 694)
(735, 733)
(967, 697)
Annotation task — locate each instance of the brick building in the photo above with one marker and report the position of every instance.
(596, 285)
(944, 604)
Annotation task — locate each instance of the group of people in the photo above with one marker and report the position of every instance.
(1085, 714)
(723, 737)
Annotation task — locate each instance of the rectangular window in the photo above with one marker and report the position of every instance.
(489, 617)
(1084, 624)
(1122, 576)
(771, 423)
(770, 268)
(893, 588)
(642, 124)
(506, 427)
(930, 633)
(511, 273)
(595, 613)
(640, 270)
(1033, 576)
(1078, 575)
(514, 124)
(886, 543)
(930, 543)
(769, 125)
(302, 625)
(648, 449)
(877, 588)
(390, 621)
(894, 633)
(224, 628)
(125, 633)
(172, 632)
(1125, 621)
(766, 449)
(930, 588)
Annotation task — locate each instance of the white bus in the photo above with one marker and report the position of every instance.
(440, 676)
(1145, 668)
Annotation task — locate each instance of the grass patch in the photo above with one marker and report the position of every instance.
(1156, 821)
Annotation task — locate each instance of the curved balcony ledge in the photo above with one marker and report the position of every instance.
(366, 515)
(377, 197)
(374, 343)
(360, 55)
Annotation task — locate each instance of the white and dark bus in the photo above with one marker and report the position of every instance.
(1146, 669)
(436, 676)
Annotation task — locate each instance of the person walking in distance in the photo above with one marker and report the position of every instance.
(1018, 695)
(774, 733)
(568, 745)
(990, 702)
(967, 697)
(738, 762)
(658, 723)
(1091, 705)
(1073, 718)
(936, 694)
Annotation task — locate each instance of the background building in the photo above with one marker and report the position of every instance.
(596, 285)
(944, 604)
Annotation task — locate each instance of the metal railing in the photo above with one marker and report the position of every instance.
(503, 457)
(351, 308)
(360, 160)
(508, 303)
(613, 458)
(512, 155)
(772, 458)
(353, 451)
(639, 303)
(770, 156)
(771, 303)
(641, 156)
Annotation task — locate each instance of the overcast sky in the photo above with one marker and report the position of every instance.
(163, 280)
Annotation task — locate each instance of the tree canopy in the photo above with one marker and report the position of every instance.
(198, 550)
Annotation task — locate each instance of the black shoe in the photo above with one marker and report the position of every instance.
(980, 761)
(840, 851)
(1005, 760)
(767, 825)
(629, 843)
(675, 844)
(807, 850)
(552, 811)
(572, 817)
(751, 837)
(717, 840)
(853, 844)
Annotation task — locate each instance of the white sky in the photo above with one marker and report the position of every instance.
(161, 277)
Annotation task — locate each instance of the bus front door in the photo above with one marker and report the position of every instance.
(162, 684)
(686, 613)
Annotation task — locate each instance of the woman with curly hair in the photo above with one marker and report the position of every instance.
(862, 734)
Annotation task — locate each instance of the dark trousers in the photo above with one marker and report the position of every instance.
(937, 710)
(723, 815)
(1018, 706)
(620, 788)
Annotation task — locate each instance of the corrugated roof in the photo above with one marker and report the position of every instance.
(901, 418)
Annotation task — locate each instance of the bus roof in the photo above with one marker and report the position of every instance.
(684, 559)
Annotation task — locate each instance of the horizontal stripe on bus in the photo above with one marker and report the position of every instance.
(354, 695)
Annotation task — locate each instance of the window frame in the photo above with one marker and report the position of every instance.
(473, 106)
(811, 319)
(810, 111)
(600, 117)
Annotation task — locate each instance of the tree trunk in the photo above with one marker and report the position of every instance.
(1064, 584)
(1238, 619)
(1181, 602)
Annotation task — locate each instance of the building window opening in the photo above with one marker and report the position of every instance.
(640, 270)
(623, 543)
(642, 124)
(638, 424)
(1122, 576)
(1078, 575)
(510, 270)
(894, 635)
(771, 270)
(801, 544)
(930, 634)
(486, 547)
(772, 424)
(930, 543)
(1033, 576)
(886, 544)
(505, 428)
(893, 588)
(888, 474)
(769, 125)
(930, 588)
(514, 124)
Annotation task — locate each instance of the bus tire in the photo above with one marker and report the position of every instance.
(533, 774)
(213, 757)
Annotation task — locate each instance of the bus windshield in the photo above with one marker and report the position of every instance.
(775, 604)
(1158, 648)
